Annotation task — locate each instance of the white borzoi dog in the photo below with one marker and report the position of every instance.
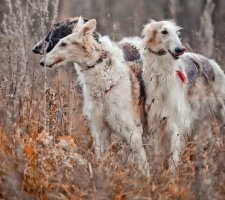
(175, 93)
(205, 83)
(106, 85)
(166, 103)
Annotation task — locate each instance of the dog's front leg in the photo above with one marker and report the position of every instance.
(101, 135)
(132, 133)
(134, 138)
(175, 145)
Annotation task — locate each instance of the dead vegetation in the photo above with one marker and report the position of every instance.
(45, 145)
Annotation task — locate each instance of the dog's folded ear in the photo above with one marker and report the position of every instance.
(89, 27)
(148, 31)
(85, 27)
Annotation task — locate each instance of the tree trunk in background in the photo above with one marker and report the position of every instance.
(172, 8)
(219, 33)
(206, 31)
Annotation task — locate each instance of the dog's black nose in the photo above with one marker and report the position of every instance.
(180, 50)
(42, 63)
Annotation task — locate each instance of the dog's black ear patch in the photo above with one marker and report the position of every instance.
(51, 44)
(63, 29)
(59, 31)
(130, 52)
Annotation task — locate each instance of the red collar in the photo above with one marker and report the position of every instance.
(181, 76)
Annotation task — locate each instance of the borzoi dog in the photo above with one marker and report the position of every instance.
(166, 103)
(107, 91)
(174, 93)
(130, 54)
(205, 82)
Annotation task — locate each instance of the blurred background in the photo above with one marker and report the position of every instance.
(203, 20)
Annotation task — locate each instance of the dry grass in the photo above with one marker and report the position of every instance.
(46, 148)
(41, 166)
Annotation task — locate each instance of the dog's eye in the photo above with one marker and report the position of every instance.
(164, 32)
(75, 43)
(63, 44)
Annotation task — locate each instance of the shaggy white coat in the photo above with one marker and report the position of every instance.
(106, 88)
(166, 103)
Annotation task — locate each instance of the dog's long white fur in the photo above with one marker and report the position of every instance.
(167, 96)
(107, 92)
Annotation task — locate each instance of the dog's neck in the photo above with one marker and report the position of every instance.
(91, 63)
(98, 61)
(161, 52)
(160, 64)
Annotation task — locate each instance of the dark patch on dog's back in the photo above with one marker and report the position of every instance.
(130, 52)
(208, 71)
(205, 68)
(192, 72)
(196, 67)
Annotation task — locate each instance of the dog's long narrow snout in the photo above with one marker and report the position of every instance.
(38, 48)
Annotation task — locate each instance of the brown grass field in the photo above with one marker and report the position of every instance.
(45, 144)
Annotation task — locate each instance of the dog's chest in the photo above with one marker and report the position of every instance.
(100, 81)
(165, 96)
(100, 85)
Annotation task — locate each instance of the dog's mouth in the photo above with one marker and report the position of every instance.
(175, 55)
(58, 61)
(50, 66)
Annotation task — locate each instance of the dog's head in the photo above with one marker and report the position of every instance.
(80, 47)
(163, 37)
(58, 31)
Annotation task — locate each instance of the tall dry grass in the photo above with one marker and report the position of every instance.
(45, 144)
